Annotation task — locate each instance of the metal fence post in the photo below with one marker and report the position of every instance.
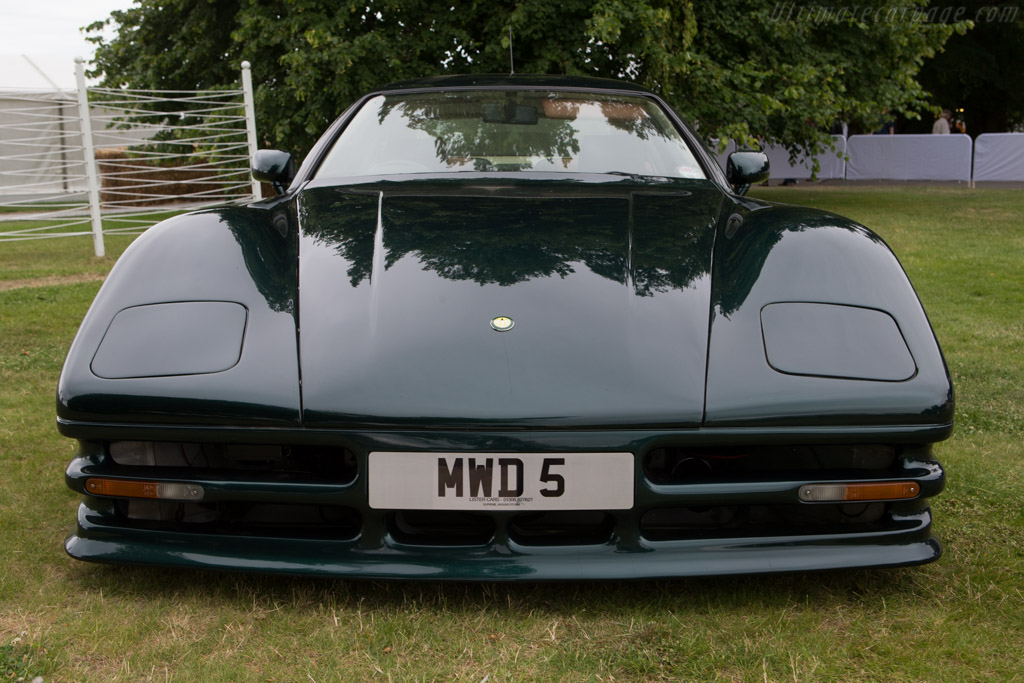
(91, 170)
(250, 121)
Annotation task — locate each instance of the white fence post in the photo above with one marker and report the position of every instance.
(250, 122)
(90, 158)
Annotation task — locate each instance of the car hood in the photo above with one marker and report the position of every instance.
(607, 284)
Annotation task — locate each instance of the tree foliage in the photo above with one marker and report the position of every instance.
(978, 71)
(736, 68)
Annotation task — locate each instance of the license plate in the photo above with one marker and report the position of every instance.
(495, 481)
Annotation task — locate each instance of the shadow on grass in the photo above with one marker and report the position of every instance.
(562, 598)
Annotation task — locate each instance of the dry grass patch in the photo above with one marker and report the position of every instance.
(50, 280)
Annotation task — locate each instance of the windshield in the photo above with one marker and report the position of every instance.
(510, 131)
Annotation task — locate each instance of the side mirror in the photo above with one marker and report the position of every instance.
(273, 166)
(743, 169)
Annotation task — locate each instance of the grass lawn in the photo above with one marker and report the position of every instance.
(65, 258)
(961, 619)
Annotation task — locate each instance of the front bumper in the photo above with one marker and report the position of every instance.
(727, 525)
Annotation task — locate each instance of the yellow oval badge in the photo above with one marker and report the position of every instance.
(502, 323)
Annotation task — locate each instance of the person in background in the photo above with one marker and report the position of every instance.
(888, 127)
(941, 126)
(957, 125)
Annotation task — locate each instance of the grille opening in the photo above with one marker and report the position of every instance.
(575, 527)
(266, 461)
(440, 527)
(732, 521)
(329, 522)
(698, 465)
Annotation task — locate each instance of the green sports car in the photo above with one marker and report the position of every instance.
(506, 328)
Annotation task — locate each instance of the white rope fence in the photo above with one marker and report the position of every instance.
(133, 157)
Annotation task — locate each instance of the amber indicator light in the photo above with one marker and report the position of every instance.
(144, 489)
(890, 490)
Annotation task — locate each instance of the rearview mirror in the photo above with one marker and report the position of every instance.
(510, 112)
(743, 169)
(273, 166)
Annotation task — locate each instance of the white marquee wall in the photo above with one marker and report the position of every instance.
(999, 157)
(832, 165)
(909, 157)
(992, 157)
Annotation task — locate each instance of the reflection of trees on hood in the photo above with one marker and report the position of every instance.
(267, 239)
(345, 221)
(741, 258)
(505, 240)
(674, 239)
(500, 240)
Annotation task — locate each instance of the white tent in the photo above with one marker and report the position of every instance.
(40, 143)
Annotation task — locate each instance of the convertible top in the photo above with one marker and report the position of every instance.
(514, 80)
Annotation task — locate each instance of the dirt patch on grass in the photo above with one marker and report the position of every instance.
(50, 280)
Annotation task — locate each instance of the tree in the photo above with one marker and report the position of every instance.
(978, 71)
(781, 72)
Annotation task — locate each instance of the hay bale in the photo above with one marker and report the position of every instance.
(129, 180)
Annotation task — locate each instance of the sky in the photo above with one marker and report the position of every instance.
(47, 31)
